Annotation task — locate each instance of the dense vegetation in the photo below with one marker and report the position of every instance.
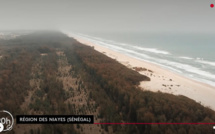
(12, 80)
(31, 83)
(114, 87)
(25, 73)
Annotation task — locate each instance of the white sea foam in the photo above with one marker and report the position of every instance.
(189, 68)
(116, 48)
(187, 58)
(186, 69)
(206, 62)
(163, 62)
(153, 50)
(101, 40)
(156, 63)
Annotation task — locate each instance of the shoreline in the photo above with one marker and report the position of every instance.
(162, 80)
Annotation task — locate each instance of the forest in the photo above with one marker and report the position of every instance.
(48, 73)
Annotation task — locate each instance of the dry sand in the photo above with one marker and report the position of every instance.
(162, 79)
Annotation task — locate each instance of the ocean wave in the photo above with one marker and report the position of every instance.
(189, 68)
(111, 42)
(116, 48)
(153, 50)
(181, 66)
(164, 66)
(187, 58)
(194, 73)
(206, 62)
(102, 40)
(185, 69)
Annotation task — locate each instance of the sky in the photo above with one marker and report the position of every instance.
(109, 15)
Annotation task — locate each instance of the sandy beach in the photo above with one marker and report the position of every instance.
(162, 79)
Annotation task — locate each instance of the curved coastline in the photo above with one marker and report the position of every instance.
(162, 80)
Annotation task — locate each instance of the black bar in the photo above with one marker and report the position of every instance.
(54, 119)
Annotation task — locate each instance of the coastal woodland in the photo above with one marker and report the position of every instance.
(48, 73)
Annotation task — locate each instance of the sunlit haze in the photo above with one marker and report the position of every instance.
(108, 16)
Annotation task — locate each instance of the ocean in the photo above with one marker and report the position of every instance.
(190, 55)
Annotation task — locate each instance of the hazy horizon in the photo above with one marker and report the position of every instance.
(109, 16)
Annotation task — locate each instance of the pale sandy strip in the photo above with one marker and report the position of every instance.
(160, 78)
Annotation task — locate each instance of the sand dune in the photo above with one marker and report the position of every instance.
(162, 79)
